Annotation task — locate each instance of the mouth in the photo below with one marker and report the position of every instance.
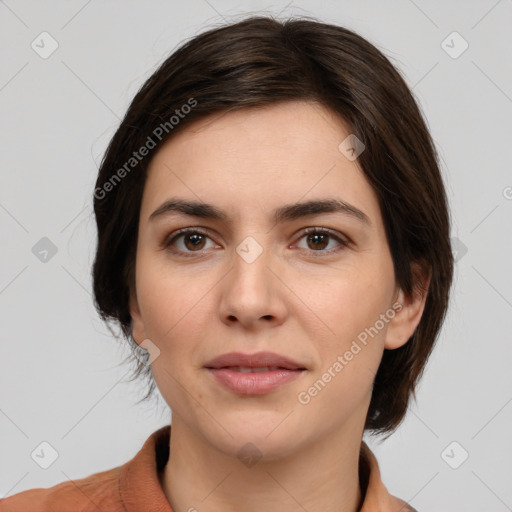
(257, 362)
(253, 381)
(253, 374)
(248, 369)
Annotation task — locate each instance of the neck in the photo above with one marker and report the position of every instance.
(198, 477)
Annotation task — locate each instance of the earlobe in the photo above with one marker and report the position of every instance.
(138, 331)
(407, 317)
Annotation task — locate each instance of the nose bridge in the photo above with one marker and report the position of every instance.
(250, 249)
(250, 272)
(250, 291)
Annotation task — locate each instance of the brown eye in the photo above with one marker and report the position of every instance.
(194, 241)
(318, 241)
(322, 240)
(187, 241)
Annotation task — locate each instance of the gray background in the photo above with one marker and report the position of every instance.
(60, 378)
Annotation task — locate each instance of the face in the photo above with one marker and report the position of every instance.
(314, 285)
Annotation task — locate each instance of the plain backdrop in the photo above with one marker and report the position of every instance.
(61, 381)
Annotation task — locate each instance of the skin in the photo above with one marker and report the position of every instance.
(295, 299)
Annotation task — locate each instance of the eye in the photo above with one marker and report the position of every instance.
(187, 240)
(319, 240)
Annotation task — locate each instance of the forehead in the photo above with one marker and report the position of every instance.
(273, 125)
(258, 158)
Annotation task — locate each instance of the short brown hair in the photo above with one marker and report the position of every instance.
(258, 61)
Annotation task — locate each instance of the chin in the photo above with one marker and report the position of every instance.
(262, 436)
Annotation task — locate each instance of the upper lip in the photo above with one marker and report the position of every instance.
(257, 360)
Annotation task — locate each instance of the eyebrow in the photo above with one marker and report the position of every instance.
(282, 214)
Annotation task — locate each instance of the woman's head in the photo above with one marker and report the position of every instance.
(251, 118)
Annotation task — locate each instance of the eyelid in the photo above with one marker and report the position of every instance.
(342, 239)
(329, 231)
(169, 239)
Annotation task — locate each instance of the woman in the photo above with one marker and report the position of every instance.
(273, 232)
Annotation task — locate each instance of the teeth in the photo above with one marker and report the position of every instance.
(244, 369)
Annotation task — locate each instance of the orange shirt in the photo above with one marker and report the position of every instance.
(135, 486)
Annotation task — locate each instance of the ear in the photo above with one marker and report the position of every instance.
(138, 330)
(408, 310)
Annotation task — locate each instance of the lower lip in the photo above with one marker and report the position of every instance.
(257, 383)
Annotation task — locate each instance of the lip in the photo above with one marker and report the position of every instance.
(256, 360)
(223, 369)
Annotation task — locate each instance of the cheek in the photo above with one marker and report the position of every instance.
(350, 356)
(351, 299)
(176, 314)
(168, 298)
(351, 303)
(177, 309)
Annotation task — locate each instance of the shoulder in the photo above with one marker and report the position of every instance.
(96, 492)
(133, 485)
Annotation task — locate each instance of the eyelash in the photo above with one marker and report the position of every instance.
(168, 241)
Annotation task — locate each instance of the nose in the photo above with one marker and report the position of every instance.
(252, 294)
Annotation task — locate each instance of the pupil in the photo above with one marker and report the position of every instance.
(196, 240)
(317, 238)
